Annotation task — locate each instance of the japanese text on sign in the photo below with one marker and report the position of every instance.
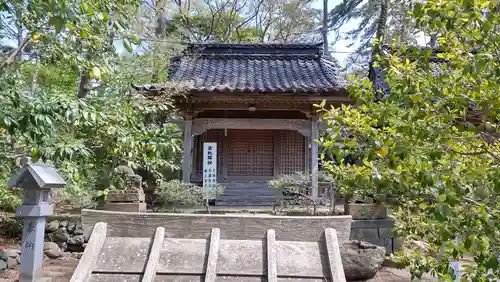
(210, 165)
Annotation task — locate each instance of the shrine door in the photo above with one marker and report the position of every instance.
(250, 154)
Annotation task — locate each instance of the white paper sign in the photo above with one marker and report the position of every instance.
(209, 166)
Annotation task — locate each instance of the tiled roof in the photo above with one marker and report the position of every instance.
(254, 68)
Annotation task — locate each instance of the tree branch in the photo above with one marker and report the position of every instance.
(14, 54)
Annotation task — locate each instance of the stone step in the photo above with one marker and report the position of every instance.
(243, 203)
(249, 192)
(246, 197)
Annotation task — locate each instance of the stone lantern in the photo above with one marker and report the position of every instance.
(36, 180)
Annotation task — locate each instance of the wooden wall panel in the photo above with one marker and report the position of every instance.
(292, 153)
(250, 153)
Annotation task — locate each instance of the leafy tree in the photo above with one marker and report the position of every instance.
(432, 143)
(240, 20)
(44, 115)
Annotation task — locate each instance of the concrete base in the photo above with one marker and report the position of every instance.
(377, 232)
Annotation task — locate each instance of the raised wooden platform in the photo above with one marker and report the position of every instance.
(158, 258)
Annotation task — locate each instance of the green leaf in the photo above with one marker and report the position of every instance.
(484, 5)
(441, 198)
(70, 27)
(469, 242)
(57, 22)
(127, 45)
(84, 34)
(136, 40)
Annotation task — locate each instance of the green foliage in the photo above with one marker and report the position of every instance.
(432, 144)
(84, 137)
(175, 193)
(248, 21)
(297, 183)
(10, 225)
(9, 199)
(294, 189)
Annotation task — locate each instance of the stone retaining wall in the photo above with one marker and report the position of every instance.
(376, 231)
(62, 234)
(68, 233)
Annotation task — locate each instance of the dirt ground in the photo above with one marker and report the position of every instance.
(59, 269)
(62, 268)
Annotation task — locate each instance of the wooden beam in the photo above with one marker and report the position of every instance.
(277, 152)
(272, 261)
(202, 124)
(335, 261)
(188, 145)
(154, 255)
(89, 259)
(243, 106)
(314, 156)
(213, 255)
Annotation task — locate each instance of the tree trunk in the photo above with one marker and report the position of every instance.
(84, 87)
(325, 25)
(381, 28)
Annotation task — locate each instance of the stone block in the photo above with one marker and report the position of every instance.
(376, 241)
(367, 211)
(384, 232)
(368, 223)
(125, 207)
(397, 244)
(135, 197)
(364, 234)
(389, 249)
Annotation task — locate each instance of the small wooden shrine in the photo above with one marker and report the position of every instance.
(256, 102)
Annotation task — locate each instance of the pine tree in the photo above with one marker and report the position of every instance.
(381, 19)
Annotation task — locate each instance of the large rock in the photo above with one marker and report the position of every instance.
(52, 226)
(361, 260)
(63, 224)
(61, 235)
(12, 262)
(71, 227)
(87, 231)
(78, 229)
(3, 265)
(75, 248)
(13, 252)
(62, 245)
(76, 240)
(52, 250)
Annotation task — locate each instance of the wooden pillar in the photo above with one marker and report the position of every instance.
(314, 156)
(188, 145)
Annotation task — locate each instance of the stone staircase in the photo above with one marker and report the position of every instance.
(242, 193)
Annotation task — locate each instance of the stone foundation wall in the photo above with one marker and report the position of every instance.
(377, 232)
(62, 234)
(68, 233)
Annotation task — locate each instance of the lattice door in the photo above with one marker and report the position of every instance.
(212, 135)
(250, 153)
(292, 152)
